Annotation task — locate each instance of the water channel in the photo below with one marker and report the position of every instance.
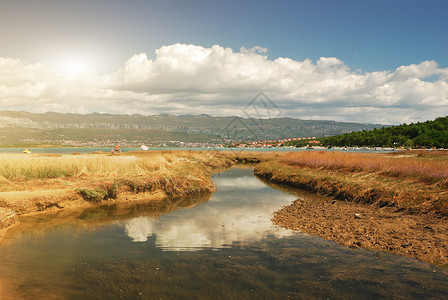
(219, 246)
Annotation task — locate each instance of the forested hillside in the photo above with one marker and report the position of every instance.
(417, 135)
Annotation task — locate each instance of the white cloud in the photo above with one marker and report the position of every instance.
(192, 79)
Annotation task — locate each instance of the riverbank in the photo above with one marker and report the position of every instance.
(384, 202)
(51, 182)
(380, 202)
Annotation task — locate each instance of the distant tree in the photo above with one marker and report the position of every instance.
(408, 143)
(427, 134)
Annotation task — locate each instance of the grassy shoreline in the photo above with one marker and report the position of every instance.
(37, 182)
(392, 203)
(418, 184)
(48, 182)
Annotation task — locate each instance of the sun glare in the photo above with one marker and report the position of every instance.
(74, 67)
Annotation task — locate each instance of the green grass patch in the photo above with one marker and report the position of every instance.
(105, 192)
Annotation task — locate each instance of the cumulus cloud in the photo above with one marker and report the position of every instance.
(190, 79)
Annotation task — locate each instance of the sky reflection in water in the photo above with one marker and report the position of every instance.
(220, 222)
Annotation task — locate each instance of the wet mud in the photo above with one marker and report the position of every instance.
(420, 235)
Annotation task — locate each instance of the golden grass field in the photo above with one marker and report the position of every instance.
(49, 166)
(30, 183)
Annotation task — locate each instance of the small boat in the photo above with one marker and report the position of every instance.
(26, 151)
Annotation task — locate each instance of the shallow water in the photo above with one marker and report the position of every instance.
(214, 247)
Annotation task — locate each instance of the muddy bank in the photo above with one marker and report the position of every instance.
(85, 194)
(51, 183)
(17, 203)
(91, 216)
(361, 187)
(7, 217)
(58, 204)
(424, 236)
(373, 210)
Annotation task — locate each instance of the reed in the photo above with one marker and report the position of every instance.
(21, 167)
(432, 170)
(103, 176)
(415, 183)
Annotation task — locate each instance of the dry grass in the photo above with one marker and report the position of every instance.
(18, 167)
(432, 170)
(415, 183)
(28, 167)
(103, 176)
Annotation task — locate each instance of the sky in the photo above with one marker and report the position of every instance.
(358, 61)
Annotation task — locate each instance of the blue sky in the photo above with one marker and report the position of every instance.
(366, 35)
(103, 35)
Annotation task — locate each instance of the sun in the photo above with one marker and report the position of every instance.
(74, 67)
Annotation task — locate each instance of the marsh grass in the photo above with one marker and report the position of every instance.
(101, 177)
(38, 167)
(424, 169)
(415, 183)
(20, 167)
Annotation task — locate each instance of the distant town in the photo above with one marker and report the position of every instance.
(292, 143)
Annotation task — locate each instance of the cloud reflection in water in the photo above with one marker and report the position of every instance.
(239, 212)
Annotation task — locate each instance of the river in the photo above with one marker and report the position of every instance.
(218, 246)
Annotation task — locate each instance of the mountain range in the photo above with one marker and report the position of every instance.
(96, 129)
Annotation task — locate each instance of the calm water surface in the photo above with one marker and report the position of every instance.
(218, 246)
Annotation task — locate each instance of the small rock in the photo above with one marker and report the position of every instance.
(357, 216)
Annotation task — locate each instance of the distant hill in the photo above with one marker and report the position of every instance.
(419, 135)
(18, 127)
